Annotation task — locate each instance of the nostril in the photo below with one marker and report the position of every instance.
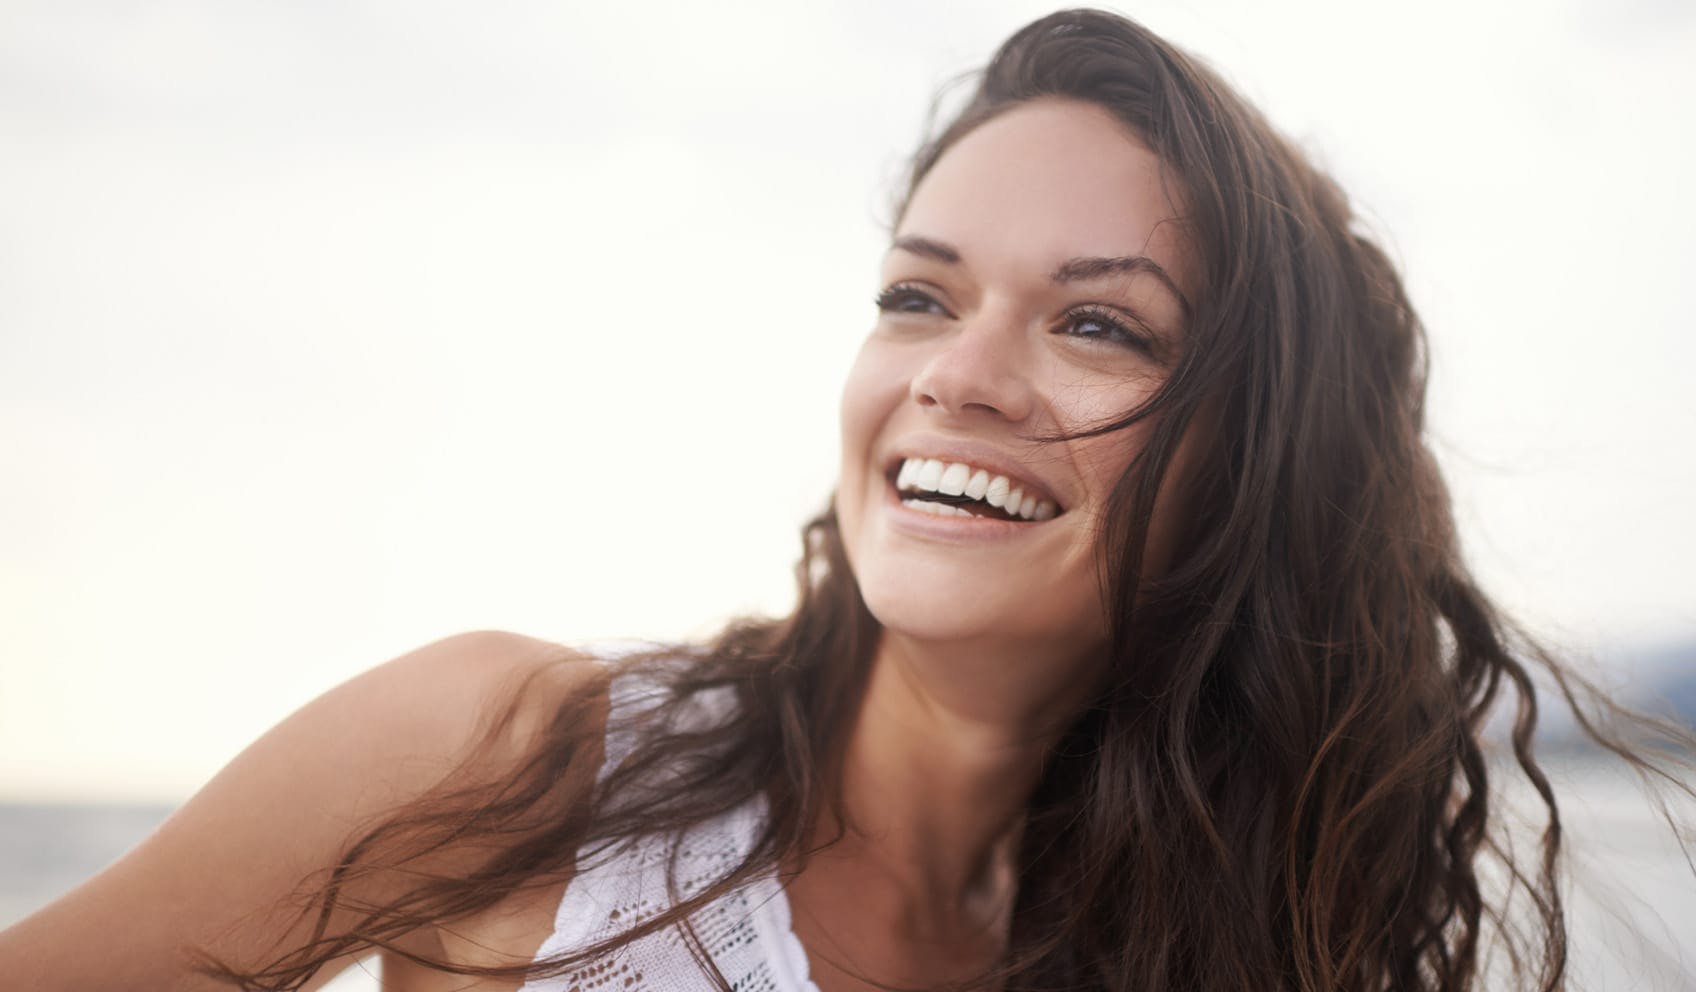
(981, 366)
(922, 395)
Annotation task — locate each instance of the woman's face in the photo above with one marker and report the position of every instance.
(1035, 286)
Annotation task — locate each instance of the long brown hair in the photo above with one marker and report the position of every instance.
(1284, 782)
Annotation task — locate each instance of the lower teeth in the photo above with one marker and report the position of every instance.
(944, 509)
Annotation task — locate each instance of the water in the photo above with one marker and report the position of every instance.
(1632, 911)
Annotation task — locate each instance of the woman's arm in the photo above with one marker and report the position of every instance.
(219, 873)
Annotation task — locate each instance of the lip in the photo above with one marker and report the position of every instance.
(977, 455)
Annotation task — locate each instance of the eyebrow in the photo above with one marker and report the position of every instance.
(1072, 270)
(1084, 269)
(927, 248)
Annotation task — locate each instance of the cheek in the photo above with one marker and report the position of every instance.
(1082, 397)
(1173, 502)
(1090, 402)
(1175, 506)
(1103, 460)
(873, 391)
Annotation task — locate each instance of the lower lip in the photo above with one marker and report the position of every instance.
(952, 528)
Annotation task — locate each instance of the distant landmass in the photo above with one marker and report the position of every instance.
(1660, 681)
(47, 849)
(1674, 684)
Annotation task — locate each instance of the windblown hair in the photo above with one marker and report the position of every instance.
(1283, 783)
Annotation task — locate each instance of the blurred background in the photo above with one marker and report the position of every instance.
(330, 329)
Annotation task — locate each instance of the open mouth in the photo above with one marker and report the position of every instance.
(957, 489)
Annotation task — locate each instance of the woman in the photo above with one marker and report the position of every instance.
(1134, 652)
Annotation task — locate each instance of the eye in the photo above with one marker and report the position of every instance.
(905, 297)
(1101, 324)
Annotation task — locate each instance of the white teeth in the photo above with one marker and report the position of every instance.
(953, 481)
(957, 479)
(939, 509)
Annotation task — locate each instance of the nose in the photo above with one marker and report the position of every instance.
(979, 367)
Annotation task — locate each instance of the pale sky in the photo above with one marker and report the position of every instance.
(330, 329)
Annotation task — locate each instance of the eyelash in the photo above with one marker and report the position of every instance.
(891, 299)
(1118, 331)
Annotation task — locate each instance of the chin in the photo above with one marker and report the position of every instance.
(928, 612)
(922, 609)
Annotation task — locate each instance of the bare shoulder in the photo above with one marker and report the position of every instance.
(467, 704)
(446, 696)
(220, 873)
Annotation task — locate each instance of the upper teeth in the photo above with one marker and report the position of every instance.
(957, 478)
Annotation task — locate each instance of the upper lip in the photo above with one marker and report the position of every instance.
(978, 455)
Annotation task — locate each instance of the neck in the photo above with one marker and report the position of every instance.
(947, 746)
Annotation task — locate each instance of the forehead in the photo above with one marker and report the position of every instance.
(1046, 181)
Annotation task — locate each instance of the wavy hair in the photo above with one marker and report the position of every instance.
(1284, 781)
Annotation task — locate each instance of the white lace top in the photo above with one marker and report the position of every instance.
(746, 932)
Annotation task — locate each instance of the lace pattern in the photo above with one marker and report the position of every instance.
(746, 933)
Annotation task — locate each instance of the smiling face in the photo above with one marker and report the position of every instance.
(1034, 286)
